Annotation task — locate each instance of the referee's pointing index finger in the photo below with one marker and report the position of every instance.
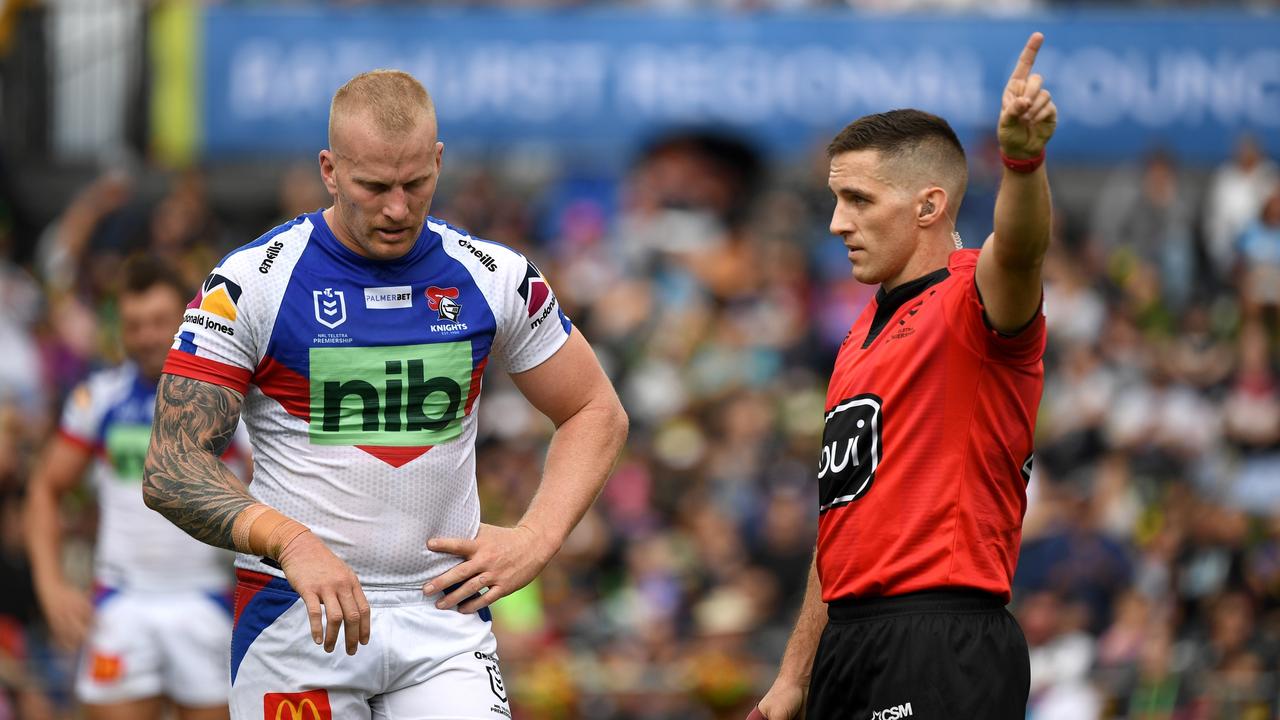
(1028, 57)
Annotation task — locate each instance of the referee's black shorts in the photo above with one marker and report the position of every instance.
(957, 655)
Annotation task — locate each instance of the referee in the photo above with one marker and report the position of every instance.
(927, 446)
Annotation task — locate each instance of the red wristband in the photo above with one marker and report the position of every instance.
(1022, 166)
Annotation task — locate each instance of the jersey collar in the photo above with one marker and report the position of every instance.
(888, 303)
(421, 245)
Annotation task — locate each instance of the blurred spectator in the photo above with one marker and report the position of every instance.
(1259, 249)
(1232, 201)
(301, 191)
(1143, 220)
(1062, 654)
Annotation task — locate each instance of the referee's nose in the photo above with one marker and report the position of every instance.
(841, 221)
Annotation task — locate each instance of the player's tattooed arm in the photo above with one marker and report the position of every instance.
(184, 480)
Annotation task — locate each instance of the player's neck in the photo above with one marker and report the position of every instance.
(931, 256)
(338, 231)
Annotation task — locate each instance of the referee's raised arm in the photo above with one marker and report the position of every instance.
(1008, 273)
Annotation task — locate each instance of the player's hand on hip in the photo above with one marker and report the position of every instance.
(782, 702)
(69, 614)
(325, 582)
(1028, 116)
(503, 560)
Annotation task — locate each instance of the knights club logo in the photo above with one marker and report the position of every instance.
(445, 302)
(331, 307)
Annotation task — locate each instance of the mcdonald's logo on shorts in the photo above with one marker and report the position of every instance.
(105, 668)
(309, 705)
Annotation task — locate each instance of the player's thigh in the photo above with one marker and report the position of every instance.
(466, 686)
(196, 644)
(121, 660)
(277, 670)
(142, 709)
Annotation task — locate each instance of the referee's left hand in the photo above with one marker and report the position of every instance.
(501, 559)
(1028, 116)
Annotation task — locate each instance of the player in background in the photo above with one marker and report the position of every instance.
(354, 340)
(158, 625)
(928, 439)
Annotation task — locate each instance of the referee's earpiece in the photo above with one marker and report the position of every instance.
(926, 208)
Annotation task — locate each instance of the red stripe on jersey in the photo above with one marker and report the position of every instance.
(184, 364)
(284, 385)
(474, 392)
(86, 445)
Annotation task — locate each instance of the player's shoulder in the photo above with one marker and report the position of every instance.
(477, 253)
(509, 280)
(260, 269)
(105, 386)
(275, 247)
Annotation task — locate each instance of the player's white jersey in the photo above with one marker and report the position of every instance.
(361, 377)
(137, 549)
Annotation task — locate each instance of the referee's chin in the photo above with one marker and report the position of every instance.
(865, 275)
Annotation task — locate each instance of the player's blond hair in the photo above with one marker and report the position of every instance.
(393, 99)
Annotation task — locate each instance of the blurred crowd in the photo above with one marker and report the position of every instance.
(995, 7)
(1149, 583)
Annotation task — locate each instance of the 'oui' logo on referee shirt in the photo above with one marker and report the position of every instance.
(850, 450)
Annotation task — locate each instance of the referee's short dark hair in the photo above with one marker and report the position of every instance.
(922, 138)
(891, 132)
(140, 273)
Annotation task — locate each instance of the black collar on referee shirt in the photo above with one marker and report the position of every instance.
(887, 303)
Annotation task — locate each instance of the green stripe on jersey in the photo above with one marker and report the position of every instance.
(126, 447)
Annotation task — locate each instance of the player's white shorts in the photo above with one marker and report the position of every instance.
(145, 644)
(421, 663)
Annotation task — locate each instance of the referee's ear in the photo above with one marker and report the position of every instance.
(931, 206)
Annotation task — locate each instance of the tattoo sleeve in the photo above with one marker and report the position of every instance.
(184, 479)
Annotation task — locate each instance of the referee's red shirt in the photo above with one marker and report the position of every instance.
(928, 442)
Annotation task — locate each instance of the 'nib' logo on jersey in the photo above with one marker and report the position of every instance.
(405, 395)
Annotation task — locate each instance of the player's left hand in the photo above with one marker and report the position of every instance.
(501, 559)
(1028, 116)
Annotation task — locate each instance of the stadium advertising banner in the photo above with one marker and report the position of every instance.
(598, 83)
